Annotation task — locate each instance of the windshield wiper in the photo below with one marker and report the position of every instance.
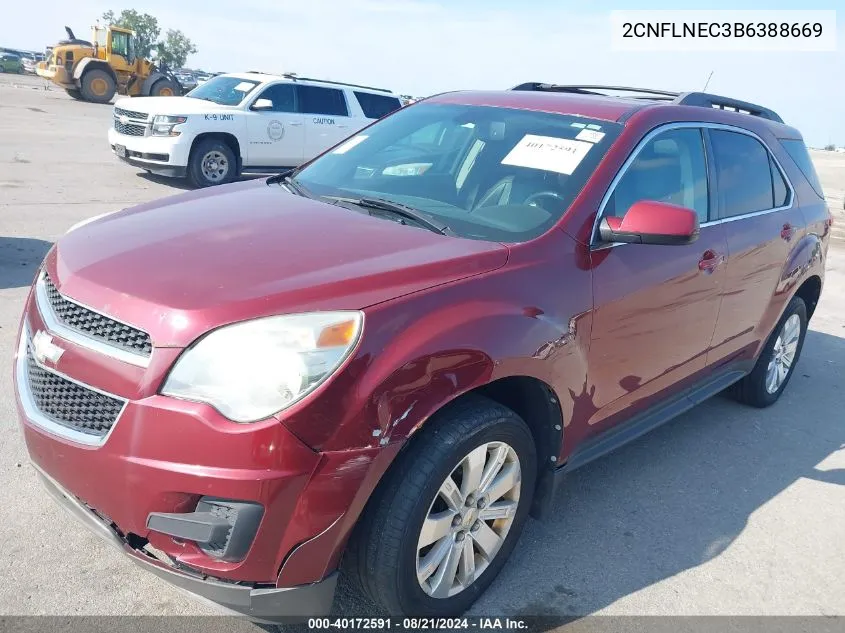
(290, 183)
(402, 210)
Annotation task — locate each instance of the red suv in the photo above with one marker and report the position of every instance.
(385, 360)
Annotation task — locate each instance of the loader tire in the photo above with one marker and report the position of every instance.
(98, 86)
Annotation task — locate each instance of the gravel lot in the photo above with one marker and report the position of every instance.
(728, 510)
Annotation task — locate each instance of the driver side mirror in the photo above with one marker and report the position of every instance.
(651, 222)
(262, 104)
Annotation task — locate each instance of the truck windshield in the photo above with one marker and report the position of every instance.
(223, 90)
(487, 173)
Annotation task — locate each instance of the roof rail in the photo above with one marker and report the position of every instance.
(701, 99)
(705, 100)
(597, 90)
(296, 77)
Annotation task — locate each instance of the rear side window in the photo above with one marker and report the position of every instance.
(317, 100)
(779, 188)
(669, 168)
(376, 106)
(744, 173)
(798, 152)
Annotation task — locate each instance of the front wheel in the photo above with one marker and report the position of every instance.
(164, 88)
(776, 364)
(98, 86)
(444, 522)
(212, 162)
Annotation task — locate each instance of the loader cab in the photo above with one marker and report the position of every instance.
(116, 46)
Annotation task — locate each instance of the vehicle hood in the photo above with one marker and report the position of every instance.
(181, 266)
(171, 105)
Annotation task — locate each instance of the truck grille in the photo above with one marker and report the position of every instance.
(129, 129)
(70, 404)
(132, 114)
(96, 325)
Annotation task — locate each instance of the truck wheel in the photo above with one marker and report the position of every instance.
(212, 162)
(73, 92)
(97, 86)
(763, 386)
(444, 521)
(164, 88)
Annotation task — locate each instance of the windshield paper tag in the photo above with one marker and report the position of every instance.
(348, 145)
(561, 155)
(244, 86)
(590, 135)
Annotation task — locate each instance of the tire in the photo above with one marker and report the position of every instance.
(383, 555)
(98, 86)
(2, 69)
(204, 156)
(758, 389)
(170, 89)
(76, 94)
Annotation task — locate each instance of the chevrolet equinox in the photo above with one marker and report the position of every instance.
(383, 361)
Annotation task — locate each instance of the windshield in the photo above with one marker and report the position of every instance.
(223, 90)
(488, 173)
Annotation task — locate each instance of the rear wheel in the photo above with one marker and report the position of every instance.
(446, 518)
(763, 386)
(76, 94)
(164, 88)
(98, 86)
(212, 162)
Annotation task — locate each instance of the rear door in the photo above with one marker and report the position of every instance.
(276, 131)
(655, 307)
(327, 117)
(755, 201)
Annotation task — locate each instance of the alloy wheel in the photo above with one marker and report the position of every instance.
(468, 519)
(783, 354)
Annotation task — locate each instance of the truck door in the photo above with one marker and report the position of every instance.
(275, 130)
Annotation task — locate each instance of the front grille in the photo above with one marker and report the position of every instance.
(96, 325)
(69, 404)
(132, 114)
(129, 129)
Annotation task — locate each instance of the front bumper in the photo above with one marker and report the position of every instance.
(163, 155)
(266, 604)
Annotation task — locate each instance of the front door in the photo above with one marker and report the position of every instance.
(655, 307)
(275, 130)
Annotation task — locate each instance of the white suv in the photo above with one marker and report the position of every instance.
(242, 122)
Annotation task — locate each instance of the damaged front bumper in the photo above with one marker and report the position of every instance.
(260, 603)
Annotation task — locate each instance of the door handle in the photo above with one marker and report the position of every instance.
(710, 261)
(787, 232)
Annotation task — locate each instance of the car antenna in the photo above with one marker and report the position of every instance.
(706, 83)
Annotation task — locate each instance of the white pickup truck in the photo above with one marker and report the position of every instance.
(242, 122)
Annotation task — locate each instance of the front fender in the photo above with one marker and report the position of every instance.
(88, 62)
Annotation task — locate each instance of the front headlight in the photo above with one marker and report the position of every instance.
(163, 125)
(251, 370)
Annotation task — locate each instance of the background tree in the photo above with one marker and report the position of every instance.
(175, 48)
(145, 26)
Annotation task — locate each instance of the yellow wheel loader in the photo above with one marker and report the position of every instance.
(96, 70)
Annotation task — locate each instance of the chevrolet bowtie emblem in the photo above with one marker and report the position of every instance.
(44, 349)
(123, 119)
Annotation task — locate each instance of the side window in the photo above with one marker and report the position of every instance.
(282, 96)
(744, 173)
(779, 189)
(797, 150)
(318, 100)
(120, 44)
(376, 106)
(669, 168)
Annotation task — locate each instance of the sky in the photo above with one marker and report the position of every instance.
(422, 47)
